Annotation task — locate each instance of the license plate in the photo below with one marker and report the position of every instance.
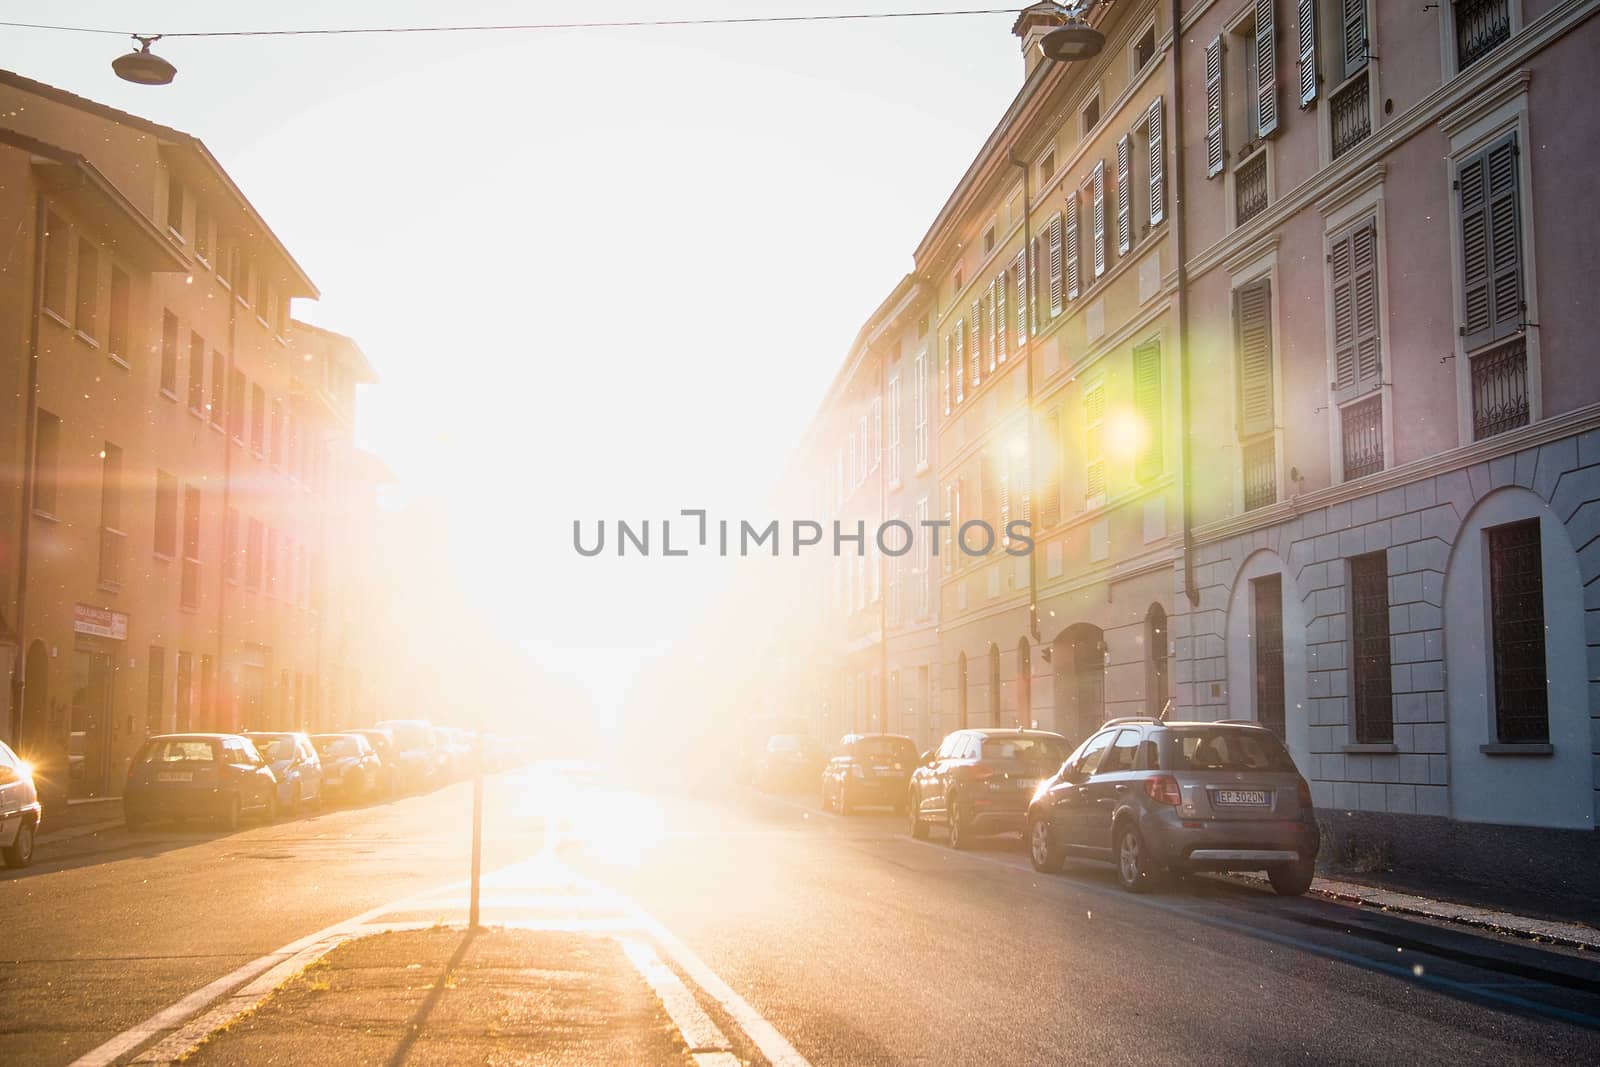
(1240, 797)
(887, 772)
(175, 776)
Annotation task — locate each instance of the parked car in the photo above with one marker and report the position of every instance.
(19, 809)
(979, 782)
(455, 749)
(789, 761)
(295, 764)
(383, 746)
(870, 769)
(187, 776)
(1161, 797)
(351, 770)
(413, 739)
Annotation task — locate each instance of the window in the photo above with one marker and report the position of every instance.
(1144, 49)
(1251, 193)
(197, 375)
(1216, 147)
(169, 355)
(238, 396)
(1492, 291)
(1072, 246)
(112, 536)
(1257, 412)
(258, 420)
(230, 546)
(1091, 114)
(1057, 245)
(219, 371)
(1264, 92)
(225, 254)
(166, 542)
(1357, 371)
(988, 240)
(276, 435)
(1097, 186)
(1089, 760)
(46, 461)
(1047, 168)
(921, 384)
(117, 338)
(208, 689)
(202, 232)
(252, 555)
(876, 452)
(175, 206)
(1157, 653)
(894, 430)
(1122, 755)
(1350, 104)
(1125, 154)
(1516, 608)
(1094, 460)
(1480, 26)
(1147, 401)
(189, 585)
(155, 689)
(88, 297)
(1155, 124)
(1267, 597)
(959, 366)
(241, 277)
(57, 248)
(1369, 633)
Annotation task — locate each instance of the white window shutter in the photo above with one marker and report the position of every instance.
(1124, 195)
(1002, 322)
(1266, 67)
(1073, 273)
(1055, 264)
(976, 342)
(1099, 218)
(960, 367)
(1022, 298)
(1308, 51)
(1216, 151)
(946, 370)
(1253, 326)
(1155, 126)
(992, 322)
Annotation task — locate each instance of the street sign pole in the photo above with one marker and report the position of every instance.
(477, 829)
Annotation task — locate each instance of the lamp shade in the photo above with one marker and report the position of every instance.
(1076, 40)
(144, 67)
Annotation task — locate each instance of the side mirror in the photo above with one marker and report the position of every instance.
(926, 758)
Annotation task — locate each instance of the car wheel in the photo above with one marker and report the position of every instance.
(919, 829)
(1292, 879)
(960, 828)
(229, 819)
(1045, 854)
(20, 852)
(1136, 870)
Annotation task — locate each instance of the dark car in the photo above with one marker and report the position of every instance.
(383, 746)
(788, 761)
(350, 768)
(414, 750)
(870, 769)
(1160, 797)
(191, 776)
(979, 782)
(296, 765)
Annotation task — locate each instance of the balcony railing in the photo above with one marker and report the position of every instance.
(1480, 26)
(1361, 425)
(1260, 474)
(112, 543)
(1250, 188)
(1500, 389)
(1351, 114)
(189, 585)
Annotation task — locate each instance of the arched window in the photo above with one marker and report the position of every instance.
(1157, 655)
(994, 684)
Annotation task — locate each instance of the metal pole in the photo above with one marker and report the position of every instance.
(477, 831)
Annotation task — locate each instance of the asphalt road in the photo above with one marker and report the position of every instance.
(859, 945)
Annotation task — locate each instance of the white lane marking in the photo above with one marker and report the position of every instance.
(699, 1032)
(185, 1039)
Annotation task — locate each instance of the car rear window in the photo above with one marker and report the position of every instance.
(180, 752)
(1228, 750)
(1045, 750)
(275, 748)
(899, 748)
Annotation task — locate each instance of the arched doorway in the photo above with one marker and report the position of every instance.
(1024, 684)
(1079, 657)
(1156, 658)
(994, 684)
(961, 691)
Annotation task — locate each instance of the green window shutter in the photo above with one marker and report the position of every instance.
(1147, 399)
(1253, 339)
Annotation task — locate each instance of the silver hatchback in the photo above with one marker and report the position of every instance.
(1165, 797)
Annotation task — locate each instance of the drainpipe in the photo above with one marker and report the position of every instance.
(227, 492)
(30, 425)
(1027, 365)
(1191, 590)
(883, 583)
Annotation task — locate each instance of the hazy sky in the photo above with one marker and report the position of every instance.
(601, 273)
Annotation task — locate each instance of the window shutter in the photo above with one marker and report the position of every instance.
(1002, 322)
(1124, 195)
(1357, 355)
(1155, 128)
(992, 321)
(1072, 245)
(1022, 298)
(1308, 51)
(1147, 399)
(1491, 253)
(946, 369)
(1055, 264)
(960, 367)
(1266, 68)
(1355, 36)
(1099, 218)
(1034, 277)
(1253, 326)
(976, 341)
(1215, 152)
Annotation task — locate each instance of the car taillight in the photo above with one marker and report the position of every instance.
(1303, 790)
(1163, 789)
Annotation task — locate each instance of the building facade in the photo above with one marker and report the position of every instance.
(176, 450)
(1274, 328)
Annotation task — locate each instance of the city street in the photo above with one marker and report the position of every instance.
(808, 937)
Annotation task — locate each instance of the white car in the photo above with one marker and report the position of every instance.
(19, 808)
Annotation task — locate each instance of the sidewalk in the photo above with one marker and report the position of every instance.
(74, 818)
(501, 996)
